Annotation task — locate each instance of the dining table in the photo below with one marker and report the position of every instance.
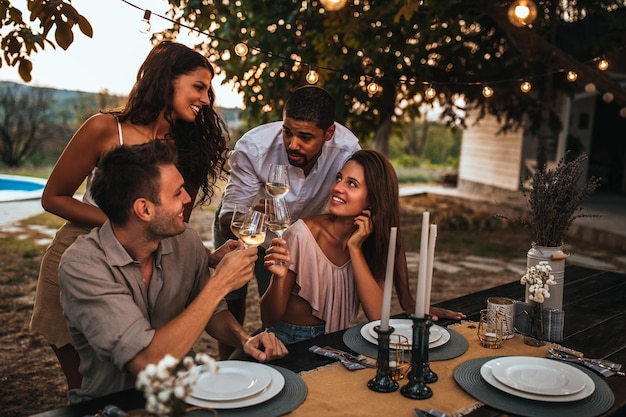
(594, 305)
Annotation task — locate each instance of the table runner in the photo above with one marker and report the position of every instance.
(335, 391)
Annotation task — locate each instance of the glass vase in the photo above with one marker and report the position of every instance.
(535, 336)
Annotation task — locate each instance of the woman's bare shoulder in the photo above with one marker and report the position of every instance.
(100, 127)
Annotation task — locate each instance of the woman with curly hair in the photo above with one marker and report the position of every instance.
(172, 99)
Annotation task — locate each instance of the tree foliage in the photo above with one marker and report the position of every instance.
(21, 38)
(406, 46)
(25, 119)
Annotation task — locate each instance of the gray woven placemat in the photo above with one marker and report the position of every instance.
(456, 346)
(467, 375)
(291, 396)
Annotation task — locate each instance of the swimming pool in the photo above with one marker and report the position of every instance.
(18, 187)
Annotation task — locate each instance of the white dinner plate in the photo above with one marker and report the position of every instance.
(487, 374)
(438, 335)
(406, 329)
(270, 391)
(233, 381)
(539, 375)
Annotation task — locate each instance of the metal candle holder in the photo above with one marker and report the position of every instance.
(420, 374)
(383, 381)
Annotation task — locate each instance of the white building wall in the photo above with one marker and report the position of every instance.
(488, 159)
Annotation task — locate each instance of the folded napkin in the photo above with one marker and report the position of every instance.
(553, 321)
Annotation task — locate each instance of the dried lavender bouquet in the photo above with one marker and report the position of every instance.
(555, 200)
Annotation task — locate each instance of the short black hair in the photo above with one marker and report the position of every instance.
(129, 172)
(311, 104)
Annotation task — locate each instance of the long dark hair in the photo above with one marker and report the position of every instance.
(201, 145)
(382, 196)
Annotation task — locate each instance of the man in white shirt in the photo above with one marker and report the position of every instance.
(315, 148)
(311, 144)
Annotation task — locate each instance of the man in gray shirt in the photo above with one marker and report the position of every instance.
(139, 287)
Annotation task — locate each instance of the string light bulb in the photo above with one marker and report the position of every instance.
(603, 65)
(430, 93)
(487, 91)
(522, 13)
(571, 76)
(608, 97)
(372, 87)
(312, 77)
(145, 25)
(525, 86)
(241, 49)
(333, 5)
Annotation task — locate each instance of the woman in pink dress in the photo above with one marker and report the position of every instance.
(328, 265)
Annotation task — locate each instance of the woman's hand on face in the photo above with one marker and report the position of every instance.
(364, 229)
(277, 257)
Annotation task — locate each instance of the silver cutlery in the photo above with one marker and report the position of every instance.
(429, 412)
(348, 360)
(602, 366)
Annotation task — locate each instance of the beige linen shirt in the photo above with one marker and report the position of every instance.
(112, 316)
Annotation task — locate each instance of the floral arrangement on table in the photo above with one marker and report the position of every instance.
(555, 200)
(168, 383)
(539, 279)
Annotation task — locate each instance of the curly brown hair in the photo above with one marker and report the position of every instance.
(201, 145)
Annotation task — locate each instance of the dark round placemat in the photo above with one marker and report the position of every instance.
(467, 375)
(292, 395)
(456, 346)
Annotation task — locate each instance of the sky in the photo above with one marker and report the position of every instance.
(111, 58)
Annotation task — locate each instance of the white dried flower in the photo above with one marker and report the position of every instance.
(168, 383)
(538, 278)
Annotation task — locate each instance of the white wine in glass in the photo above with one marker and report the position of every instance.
(277, 184)
(277, 215)
(252, 232)
(239, 214)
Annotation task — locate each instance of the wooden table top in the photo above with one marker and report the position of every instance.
(594, 302)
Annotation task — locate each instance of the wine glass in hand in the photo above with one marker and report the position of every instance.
(277, 184)
(252, 231)
(239, 214)
(277, 215)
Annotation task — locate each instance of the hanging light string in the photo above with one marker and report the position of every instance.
(241, 49)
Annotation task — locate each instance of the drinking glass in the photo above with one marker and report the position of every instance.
(252, 231)
(277, 215)
(277, 184)
(239, 214)
(490, 329)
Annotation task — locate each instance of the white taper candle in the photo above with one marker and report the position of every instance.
(391, 257)
(432, 239)
(423, 268)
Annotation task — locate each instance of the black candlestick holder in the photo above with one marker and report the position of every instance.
(420, 374)
(383, 381)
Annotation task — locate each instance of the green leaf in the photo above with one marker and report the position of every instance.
(85, 26)
(24, 69)
(63, 35)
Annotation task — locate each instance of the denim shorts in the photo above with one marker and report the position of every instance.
(290, 333)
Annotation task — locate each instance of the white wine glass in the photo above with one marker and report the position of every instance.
(277, 215)
(252, 232)
(239, 214)
(277, 184)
